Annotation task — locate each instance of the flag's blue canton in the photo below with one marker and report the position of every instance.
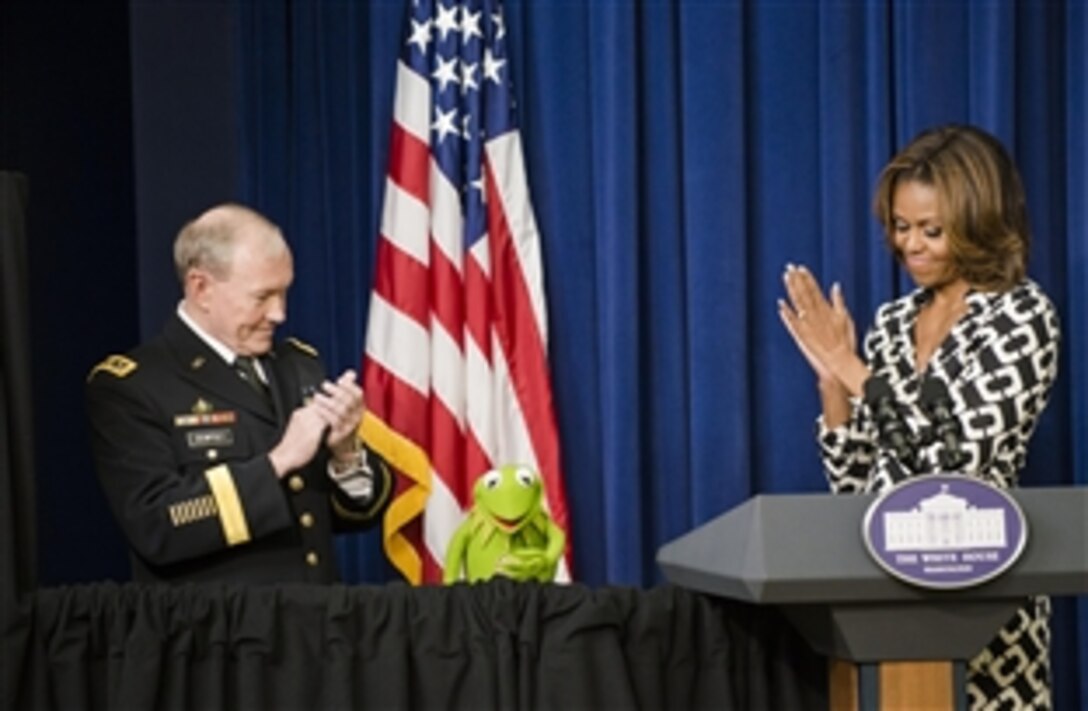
(460, 48)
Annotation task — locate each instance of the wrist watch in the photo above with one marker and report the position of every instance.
(357, 462)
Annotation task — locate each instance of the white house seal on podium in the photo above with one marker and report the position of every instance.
(945, 531)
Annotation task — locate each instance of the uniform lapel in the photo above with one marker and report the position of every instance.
(206, 369)
(282, 386)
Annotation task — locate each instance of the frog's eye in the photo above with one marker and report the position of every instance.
(492, 479)
(525, 477)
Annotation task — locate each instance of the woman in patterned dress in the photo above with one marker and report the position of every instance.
(953, 210)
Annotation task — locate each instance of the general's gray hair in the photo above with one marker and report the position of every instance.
(208, 241)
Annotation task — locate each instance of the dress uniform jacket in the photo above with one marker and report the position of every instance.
(181, 445)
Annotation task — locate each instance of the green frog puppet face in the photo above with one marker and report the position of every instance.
(508, 496)
(508, 531)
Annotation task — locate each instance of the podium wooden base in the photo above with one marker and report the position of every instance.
(896, 686)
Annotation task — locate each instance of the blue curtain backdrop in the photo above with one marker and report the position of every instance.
(679, 155)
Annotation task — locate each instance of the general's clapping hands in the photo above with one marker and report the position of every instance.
(331, 416)
(340, 405)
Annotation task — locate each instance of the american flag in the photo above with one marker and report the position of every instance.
(455, 370)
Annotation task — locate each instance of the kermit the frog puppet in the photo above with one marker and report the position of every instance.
(507, 532)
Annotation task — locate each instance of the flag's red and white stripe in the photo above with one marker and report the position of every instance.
(455, 370)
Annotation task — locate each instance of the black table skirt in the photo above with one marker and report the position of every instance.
(498, 645)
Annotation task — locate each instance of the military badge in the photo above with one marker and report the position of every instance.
(193, 419)
(117, 365)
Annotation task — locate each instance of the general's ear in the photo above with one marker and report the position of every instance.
(198, 285)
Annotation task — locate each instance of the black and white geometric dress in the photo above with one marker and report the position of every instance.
(999, 362)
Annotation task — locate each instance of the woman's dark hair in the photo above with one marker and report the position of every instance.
(980, 197)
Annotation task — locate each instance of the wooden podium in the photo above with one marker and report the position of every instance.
(891, 645)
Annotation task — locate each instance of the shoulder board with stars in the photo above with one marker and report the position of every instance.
(117, 365)
(302, 346)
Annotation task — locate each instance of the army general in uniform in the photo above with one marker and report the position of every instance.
(224, 455)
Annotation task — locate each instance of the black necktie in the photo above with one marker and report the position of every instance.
(247, 368)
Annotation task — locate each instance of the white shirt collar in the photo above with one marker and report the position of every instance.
(215, 344)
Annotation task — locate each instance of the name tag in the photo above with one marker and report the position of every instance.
(218, 437)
